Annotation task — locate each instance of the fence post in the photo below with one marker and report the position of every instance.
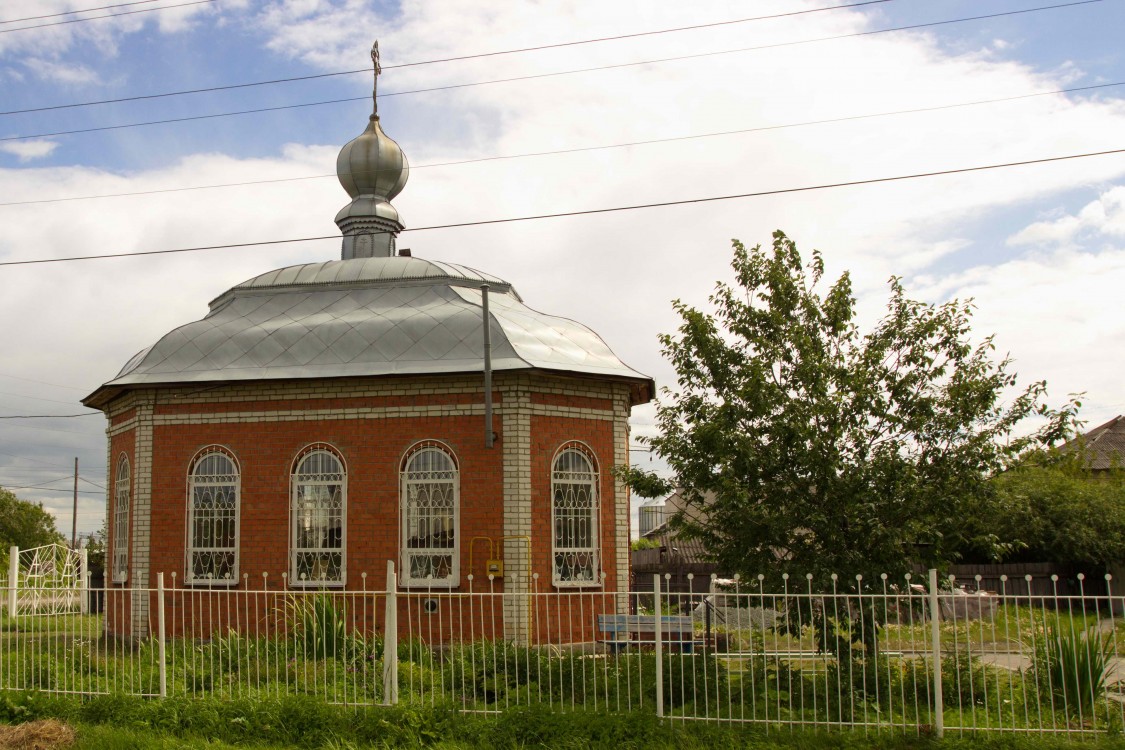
(84, 583)
(390, 639)
(13, 578)
(935, 646)
(160, 644)
(658, 649)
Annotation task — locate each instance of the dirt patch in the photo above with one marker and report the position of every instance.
(36, 735)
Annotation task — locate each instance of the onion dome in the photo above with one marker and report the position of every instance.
(373, 169)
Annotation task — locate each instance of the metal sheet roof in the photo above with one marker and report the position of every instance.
(364, 317)
(1103, 447)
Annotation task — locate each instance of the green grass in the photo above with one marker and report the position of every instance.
(322, 659)
(306, 723)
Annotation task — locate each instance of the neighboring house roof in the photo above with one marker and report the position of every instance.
(673, 553)
(363, 317)
(1103, 446)
(674, 505)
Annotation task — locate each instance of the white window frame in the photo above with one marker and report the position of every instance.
(592, 549)
(295, 483)
(406, 483)
(198, 481)
(122, 506)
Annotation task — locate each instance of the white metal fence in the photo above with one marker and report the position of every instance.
(46, 580)
(861, 654)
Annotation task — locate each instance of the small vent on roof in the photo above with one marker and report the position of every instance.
(404, 252)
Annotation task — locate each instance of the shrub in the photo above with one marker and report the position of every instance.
(319, 628)
(1071, 669)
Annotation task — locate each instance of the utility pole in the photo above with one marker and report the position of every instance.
(489, 435)
(74, 516)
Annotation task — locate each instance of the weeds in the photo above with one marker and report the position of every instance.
(1071, 669)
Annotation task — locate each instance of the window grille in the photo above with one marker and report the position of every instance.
(317, 518)
(121, 494)
(213, 507)
(430, 512)
(574, 517)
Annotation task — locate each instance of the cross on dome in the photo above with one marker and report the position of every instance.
(373, 169)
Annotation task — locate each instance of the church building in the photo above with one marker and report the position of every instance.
(322, 419)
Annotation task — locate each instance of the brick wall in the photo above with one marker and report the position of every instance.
(371, 423)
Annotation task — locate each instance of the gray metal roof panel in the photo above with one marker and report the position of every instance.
(366, 317)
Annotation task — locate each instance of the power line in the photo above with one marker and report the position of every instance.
(587, 212)
(534, 76)
(100, 18)
(38, 486)
(192, 118)
(576, 149)
(49, 489)
(72, 12)
(8, 471)
(37, 398)
(54, 447)
(36, 460)
(49, 416)
(41, 382)
(439, 60)
(54, 429)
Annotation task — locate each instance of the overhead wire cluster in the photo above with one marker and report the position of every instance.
(699, 199)
(509, 79)
(116, 11)
(93, 18)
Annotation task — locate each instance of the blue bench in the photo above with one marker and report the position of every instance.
(622, 631)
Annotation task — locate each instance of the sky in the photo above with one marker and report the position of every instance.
(746, 106)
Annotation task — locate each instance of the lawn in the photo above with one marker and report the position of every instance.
(994, 673)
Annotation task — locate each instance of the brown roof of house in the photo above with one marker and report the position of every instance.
(1104, 445)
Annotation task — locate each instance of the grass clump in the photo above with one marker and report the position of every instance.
(302, 722)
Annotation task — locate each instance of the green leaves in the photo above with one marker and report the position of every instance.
(25, 524)
(1052, 508)
(809, 446)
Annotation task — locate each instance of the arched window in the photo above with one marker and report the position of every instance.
(574, 516)
(213, 495)
(317, 515)
(429, 504)
(122, 491)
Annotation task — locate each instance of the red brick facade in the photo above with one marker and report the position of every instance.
(505, 492)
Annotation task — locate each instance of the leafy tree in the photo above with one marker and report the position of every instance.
(1050, 508)
(810, 447)
(25, 524)
(95, 552)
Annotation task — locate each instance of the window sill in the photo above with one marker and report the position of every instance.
(443, 585)
(577, 584)
(316, 584)
(210, 583)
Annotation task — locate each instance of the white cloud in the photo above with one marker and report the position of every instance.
(26, 151)
(1104, 216)
(57, 71)
(54, 37)
(630, 266)
(1057, 315)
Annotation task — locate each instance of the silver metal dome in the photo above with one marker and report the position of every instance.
(373, 169)
(373, 164)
